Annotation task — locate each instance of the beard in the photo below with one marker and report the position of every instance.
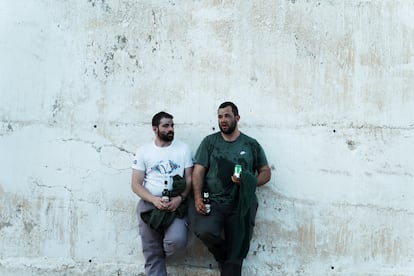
(230, 128)
(166, 137)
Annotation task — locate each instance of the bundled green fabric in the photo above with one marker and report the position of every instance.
(244, 231)
(160, 220)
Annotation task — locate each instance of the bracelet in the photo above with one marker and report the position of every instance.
(182, 197)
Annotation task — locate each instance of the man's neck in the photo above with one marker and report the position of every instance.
(232, 136)
(160, 143)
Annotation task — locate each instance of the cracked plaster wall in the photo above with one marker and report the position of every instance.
(325, 86)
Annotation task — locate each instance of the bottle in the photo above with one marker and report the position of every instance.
(165, 193)
(206, 201)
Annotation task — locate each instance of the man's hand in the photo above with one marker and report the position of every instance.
(236, 180)
(174, 203)
(159, 203)
(199, 206)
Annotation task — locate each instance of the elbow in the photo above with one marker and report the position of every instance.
(264, 177)
(268, 175)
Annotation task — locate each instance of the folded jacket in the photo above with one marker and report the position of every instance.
(244, 228)
(160, 220)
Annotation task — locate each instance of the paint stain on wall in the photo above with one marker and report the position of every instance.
(352, 145)
(385, 245)
(121, 42)
(28, 227)
(9, 127)
(5, 224)
(57, 107)
(100, 3)
(306, 238)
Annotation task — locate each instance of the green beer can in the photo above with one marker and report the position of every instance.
(237, 171)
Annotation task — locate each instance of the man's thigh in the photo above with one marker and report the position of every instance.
(212, 223)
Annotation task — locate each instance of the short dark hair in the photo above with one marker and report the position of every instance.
(157, 118)
(233, 107)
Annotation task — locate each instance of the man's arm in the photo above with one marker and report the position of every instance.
(188, 180)
(137, 185)
(198, 180)
(263, 175)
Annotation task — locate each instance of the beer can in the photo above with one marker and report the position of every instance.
(237, 171)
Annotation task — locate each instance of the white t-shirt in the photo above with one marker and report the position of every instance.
(162, 163)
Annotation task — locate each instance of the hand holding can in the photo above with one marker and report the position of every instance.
(237, 170)
(236, 174)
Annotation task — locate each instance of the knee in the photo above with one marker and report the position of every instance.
(172, 246)
(202, 233)
(207, 235)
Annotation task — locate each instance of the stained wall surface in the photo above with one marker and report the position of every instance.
(325, 86)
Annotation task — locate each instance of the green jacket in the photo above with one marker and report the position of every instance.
(160, 220)
(244, 231)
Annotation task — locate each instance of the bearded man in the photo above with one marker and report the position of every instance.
(157, 165)
(227, 229)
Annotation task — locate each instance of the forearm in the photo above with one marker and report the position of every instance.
(197, 181)
(197, 187)
(143, 193)
(263, 176)
(188, 180)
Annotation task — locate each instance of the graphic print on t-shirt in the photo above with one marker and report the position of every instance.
(165, 167)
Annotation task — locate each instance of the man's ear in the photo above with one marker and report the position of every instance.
(154, 128)
(237, 118)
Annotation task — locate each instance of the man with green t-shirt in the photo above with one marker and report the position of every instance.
(226, 230)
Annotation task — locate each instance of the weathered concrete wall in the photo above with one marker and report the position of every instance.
(325, 86)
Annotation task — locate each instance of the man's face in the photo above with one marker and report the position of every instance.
(226, 120)
(165, 130)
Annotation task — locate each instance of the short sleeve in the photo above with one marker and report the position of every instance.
(138, 161)
(202, 155)
(261, 159)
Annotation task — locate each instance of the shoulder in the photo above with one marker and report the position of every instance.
(212, 137)
(179, 143)
(248, 138)
(210, 141)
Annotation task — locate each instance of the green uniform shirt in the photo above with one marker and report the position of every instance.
(219, 157)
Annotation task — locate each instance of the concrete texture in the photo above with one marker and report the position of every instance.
(325, 86)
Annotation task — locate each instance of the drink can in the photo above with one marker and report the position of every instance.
(237, 170)
(208, 208)
(165, 199)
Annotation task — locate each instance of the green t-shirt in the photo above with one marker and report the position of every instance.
(219, 158)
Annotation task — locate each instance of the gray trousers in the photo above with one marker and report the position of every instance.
(157, 246)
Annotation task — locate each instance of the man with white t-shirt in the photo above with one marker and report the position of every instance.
(155, 166)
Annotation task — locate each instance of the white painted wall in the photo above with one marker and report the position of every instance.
(325, 86)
